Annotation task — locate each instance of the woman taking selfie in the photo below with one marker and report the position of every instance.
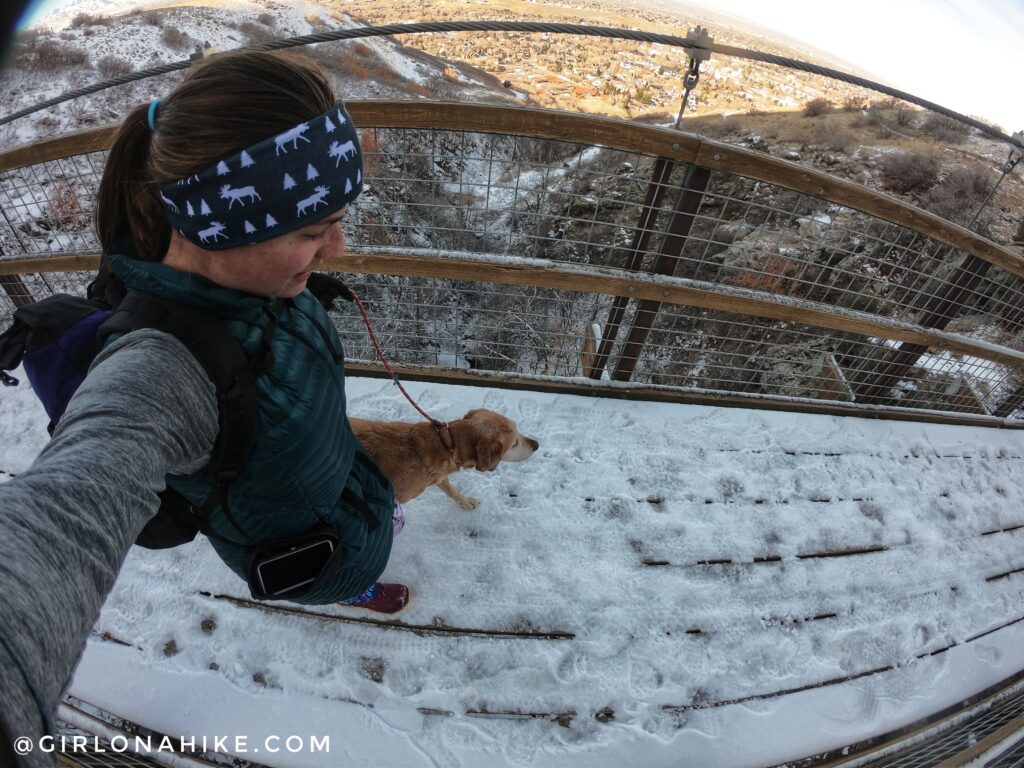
(217, 202)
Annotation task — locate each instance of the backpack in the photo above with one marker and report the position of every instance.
(58, 337)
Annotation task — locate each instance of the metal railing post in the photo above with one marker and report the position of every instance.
(938, 310)
(15, 289)
(660, 175)
(641, 236)
(666, 263)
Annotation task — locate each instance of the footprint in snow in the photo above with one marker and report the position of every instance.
(622, 419)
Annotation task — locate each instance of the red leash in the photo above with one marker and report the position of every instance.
(438, 425)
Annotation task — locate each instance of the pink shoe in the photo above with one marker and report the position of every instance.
(381, 598)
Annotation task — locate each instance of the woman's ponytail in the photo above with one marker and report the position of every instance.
(128, 208)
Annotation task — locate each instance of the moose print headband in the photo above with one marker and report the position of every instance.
(274, 187)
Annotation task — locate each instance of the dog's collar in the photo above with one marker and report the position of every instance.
(441, 427)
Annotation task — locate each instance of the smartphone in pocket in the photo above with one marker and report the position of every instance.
(288, 572)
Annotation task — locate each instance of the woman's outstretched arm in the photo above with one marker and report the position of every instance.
(145, 410)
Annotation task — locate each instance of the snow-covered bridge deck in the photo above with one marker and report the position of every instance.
(661, 584)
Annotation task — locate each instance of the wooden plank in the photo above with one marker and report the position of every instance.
(830, 381)
(83, 263)
(669, 395)
(966, 397)
(526, 121)
(544, 274)
(422, 630)
(691, 293)
(993, 740)
(918, 734)
(588, 355)
(78, 143)
(757, 165)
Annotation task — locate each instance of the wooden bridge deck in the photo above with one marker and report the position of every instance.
(733, 586)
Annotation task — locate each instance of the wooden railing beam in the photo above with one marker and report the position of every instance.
(538, 273)
(614, 134)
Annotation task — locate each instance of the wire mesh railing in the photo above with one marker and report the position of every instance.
(625, 202)
(562, 201)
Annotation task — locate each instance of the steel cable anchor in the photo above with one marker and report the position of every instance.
(699, 51)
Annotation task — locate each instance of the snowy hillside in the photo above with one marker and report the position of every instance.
(135, 36)
(660, 585)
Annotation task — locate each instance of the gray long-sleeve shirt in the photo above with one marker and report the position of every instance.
(146, 409)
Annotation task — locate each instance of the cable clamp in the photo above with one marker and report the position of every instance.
(700, 44)
(1016, 152)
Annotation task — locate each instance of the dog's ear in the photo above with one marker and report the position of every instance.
(489, 451)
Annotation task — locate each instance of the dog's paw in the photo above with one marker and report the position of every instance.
(468, 502)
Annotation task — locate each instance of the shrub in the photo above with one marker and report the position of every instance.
(886, 104)
(958, 196)
(776, 275)
(945, 128)
(51, 55)
(63, 209)
(88, 19)
(152, 18)
(905, 117)
(175, 38)
(256, 33)
(23, 50)
(853, 104)
(875, 113)
(266, 19)
(111, 66)
(817, 107)
(910, 171)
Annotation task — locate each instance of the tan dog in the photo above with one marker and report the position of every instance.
(414, 457)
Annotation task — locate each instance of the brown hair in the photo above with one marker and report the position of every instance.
(225, 104)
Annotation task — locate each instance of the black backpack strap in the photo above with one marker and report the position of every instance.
(233, 374)
(362, 508)
(372, 468)
(12, 349)
(237, 406)
(326, 289)
(107, 286)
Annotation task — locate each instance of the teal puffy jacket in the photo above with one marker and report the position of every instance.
(305, 452)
